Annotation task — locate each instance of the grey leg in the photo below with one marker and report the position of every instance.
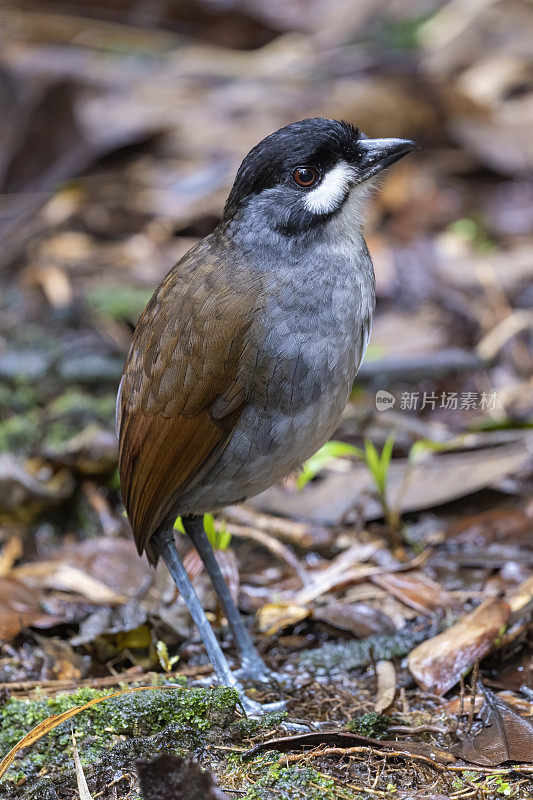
(252, 665)
(164, 543)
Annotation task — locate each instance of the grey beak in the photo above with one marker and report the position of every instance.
(376, 154)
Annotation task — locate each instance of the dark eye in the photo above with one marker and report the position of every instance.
(305, 177)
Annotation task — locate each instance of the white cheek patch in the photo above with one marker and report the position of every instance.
(331, 190)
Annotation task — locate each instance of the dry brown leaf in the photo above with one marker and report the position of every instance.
(412, 487)
(51, 575)
(520, 704)
(438, 663)
(20, 608)
(11, 551)
(360, 619)
(343, 568)
(416, 590)
(272, 617)
(507, 736)
(386, 678)
(280, 550)
(109, 570)
(229, 567)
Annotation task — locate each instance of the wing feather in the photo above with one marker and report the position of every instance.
(181, 394)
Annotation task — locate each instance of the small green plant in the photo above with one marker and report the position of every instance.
(164, 659)
(377, 464)
(473, 231)
(503, 787)
(322, 457)
(220, 539)
(370, 724)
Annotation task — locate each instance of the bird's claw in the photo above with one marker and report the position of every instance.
(253, 708)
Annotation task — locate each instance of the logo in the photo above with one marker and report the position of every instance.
(384, 400)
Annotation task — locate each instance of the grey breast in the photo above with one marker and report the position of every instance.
(306, 345)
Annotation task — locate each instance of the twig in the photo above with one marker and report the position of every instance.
(279, 549)
(96, 683)
(347, 751)
(473, 685)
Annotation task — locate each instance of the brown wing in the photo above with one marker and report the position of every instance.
(181, 394)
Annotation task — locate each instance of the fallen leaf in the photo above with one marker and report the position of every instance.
(490, 526)
(506, 735)
(438, 663)
(343, 568)
(360, 619)
(345, 739)
(520, 704)
(27, 486)
(105, 570)
(272, 617)
(411, 486)
(386, 678)
(12, 550)
(19, 608)
(229, 567)
(416, 590)
(227, 561)
(51, 575)
(167, 777)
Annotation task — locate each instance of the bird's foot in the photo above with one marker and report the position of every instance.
(251, 675)
(253, 708)
(258, 676)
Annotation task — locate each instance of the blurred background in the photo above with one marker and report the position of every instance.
(122, 125)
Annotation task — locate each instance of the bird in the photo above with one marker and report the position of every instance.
(243, 360)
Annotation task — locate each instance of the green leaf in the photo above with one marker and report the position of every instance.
(220, 540)
(386, 455)
(327, 452)
(224, 539)
(164, 659)
(378, 464)
(372, 459)
(178, 525)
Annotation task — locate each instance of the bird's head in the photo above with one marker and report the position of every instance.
(301, 176)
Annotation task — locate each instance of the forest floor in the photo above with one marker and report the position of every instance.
(390, 584)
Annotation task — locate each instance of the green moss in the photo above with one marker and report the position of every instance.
(110, 724)
(20, 432)
(19, 397)
(299, 782)
(58, 422)
(370, 724)
(74, 402)
(359, 653)
(118, 301)
(245, 727)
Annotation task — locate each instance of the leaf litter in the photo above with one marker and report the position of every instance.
(143, 143)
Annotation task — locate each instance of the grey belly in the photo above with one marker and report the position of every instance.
(263, 449)
(288, 420)
(304, 352)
